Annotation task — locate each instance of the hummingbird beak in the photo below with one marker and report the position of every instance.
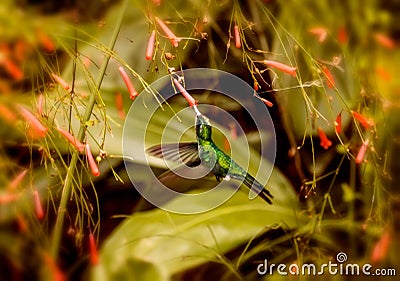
(196, 110)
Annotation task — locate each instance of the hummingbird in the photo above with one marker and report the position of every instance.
(205, 152)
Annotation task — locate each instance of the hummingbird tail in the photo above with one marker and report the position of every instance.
(261, 191)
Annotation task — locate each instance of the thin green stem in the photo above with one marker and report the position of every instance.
(81, 135)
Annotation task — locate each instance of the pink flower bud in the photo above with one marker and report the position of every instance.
(238, 44)
(37, 128)
(283, 67)
(170, 35)
(60, 81)
(361, 153)
(72, 139)
(183, 91)
(131, 89)
(92, 163)
(38, 205)
(150, 45)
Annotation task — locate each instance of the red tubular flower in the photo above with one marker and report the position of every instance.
(60, 81)
(256, 86)
(72, 139)
(381, 247)
(46, 42)
(56, 272)
(329, 77)
(94, 256)
(38, 130)
(361, 153)
(131, 89)
(8, 198)
(119, 103)
(12, 69)
(384, 40)
(267, 102)
(188, 97)
(338, 123)
(342, 35)
(40, 104)
(238, 43)
(383, 74)
(38, 205)
(320, 32)
(150, 45)
(325, 142)
(7, 114)
(16, 181)
(366, 123)
(283, 67)
(92, 163)
(22, 224)
(170, 35)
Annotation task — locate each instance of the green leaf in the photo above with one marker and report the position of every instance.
(158, 244)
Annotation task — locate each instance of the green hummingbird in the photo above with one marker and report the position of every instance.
(205, 152)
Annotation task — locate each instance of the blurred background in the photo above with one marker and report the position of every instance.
(326, 72)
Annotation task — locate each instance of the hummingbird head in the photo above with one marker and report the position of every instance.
(203, 127)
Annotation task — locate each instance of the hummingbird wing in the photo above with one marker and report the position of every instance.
(186, 152)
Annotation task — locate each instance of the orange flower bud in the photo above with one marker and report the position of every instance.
(329, 77)
(338, 123)
(366, 123)
(56, 273)
(12, 69)
(16, 181)
(46, 42)
(8, 198)
(320, 32)
(342, 35)
(7, 114)
(384, 40)
(381, 247)
(119, 103)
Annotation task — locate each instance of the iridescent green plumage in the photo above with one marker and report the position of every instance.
(205, 152)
